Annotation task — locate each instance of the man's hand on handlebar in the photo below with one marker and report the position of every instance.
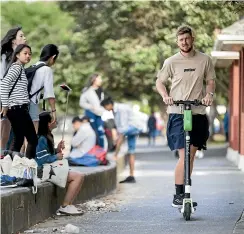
(168, 100)
(207, 100)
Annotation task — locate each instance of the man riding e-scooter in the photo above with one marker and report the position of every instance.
(188, 70)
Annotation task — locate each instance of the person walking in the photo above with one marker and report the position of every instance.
(15, 101)
(188, 70)
(226, 125)
(90, 99)
(152, 129)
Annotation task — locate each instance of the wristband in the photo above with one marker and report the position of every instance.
(54, 110)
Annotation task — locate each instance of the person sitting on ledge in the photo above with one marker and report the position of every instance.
(46, 153)
(84, 139)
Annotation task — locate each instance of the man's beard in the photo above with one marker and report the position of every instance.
(186, 51)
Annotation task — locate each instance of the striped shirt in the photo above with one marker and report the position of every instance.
(20, 95)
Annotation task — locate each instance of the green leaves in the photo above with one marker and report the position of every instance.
(126, 41)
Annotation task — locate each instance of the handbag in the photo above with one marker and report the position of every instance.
(56, 172)
(99, 153)
(25, 168)
(6, 165)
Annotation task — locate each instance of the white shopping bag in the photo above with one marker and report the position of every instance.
(56, 172)
(25, 168)
(6, 164)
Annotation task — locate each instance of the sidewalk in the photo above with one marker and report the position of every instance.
(239, 227)
(145, 207)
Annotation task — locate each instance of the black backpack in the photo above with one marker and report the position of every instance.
(30, 73)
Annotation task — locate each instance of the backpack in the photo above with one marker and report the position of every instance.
(99, 153)
(30, 73)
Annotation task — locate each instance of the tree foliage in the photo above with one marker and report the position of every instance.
(44, 23)
(126, 41)
(131, 39)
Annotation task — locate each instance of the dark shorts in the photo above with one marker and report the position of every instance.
(199, 134)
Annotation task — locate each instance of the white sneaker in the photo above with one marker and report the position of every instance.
(69, 210)
(199, 154)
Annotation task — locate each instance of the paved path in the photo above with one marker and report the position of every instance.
(145, 207)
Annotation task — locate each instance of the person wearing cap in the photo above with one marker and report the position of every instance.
(84, 139)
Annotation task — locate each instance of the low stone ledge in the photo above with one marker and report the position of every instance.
(21, 209)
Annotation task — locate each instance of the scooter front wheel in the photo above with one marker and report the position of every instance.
(187, 212)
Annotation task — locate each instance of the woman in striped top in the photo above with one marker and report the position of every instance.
(15, 101)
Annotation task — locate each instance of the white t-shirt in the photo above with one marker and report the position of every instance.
(83, 141)
(43, 77)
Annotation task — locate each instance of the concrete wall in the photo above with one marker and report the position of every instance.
(20, 209)
(236, 158)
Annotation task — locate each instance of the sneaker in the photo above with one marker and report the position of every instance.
(178, 201)
(199, 154)
(129, 179)
(69, 210)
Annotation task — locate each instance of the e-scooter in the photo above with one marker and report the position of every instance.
(187, 208)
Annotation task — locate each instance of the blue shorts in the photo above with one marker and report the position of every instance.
(152, 133)
(131, 133)
(199, 134)
(34, 111)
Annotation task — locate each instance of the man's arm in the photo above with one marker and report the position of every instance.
(163, 92)
(210, 89)
(49, 91)
(210, 83)
(52, 102)
(163, 75)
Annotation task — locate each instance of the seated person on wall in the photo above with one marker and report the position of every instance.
(84, 139)
(46, 153)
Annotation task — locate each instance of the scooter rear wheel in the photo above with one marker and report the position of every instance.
(187, 212)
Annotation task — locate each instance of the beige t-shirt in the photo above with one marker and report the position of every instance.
(187, 78)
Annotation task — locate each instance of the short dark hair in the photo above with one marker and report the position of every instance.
(85, 118)
(184, 29)
(76, 119)
(48, 51)
(107, 101)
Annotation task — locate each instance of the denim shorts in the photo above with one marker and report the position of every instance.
(176, 135)
(34, 111)
(131, 133)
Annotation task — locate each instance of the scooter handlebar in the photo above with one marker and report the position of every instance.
(187, 102)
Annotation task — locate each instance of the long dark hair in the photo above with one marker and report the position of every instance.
(18, 49)
(90, 82)
(6, 42)
(43, 129)
(48, 51)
